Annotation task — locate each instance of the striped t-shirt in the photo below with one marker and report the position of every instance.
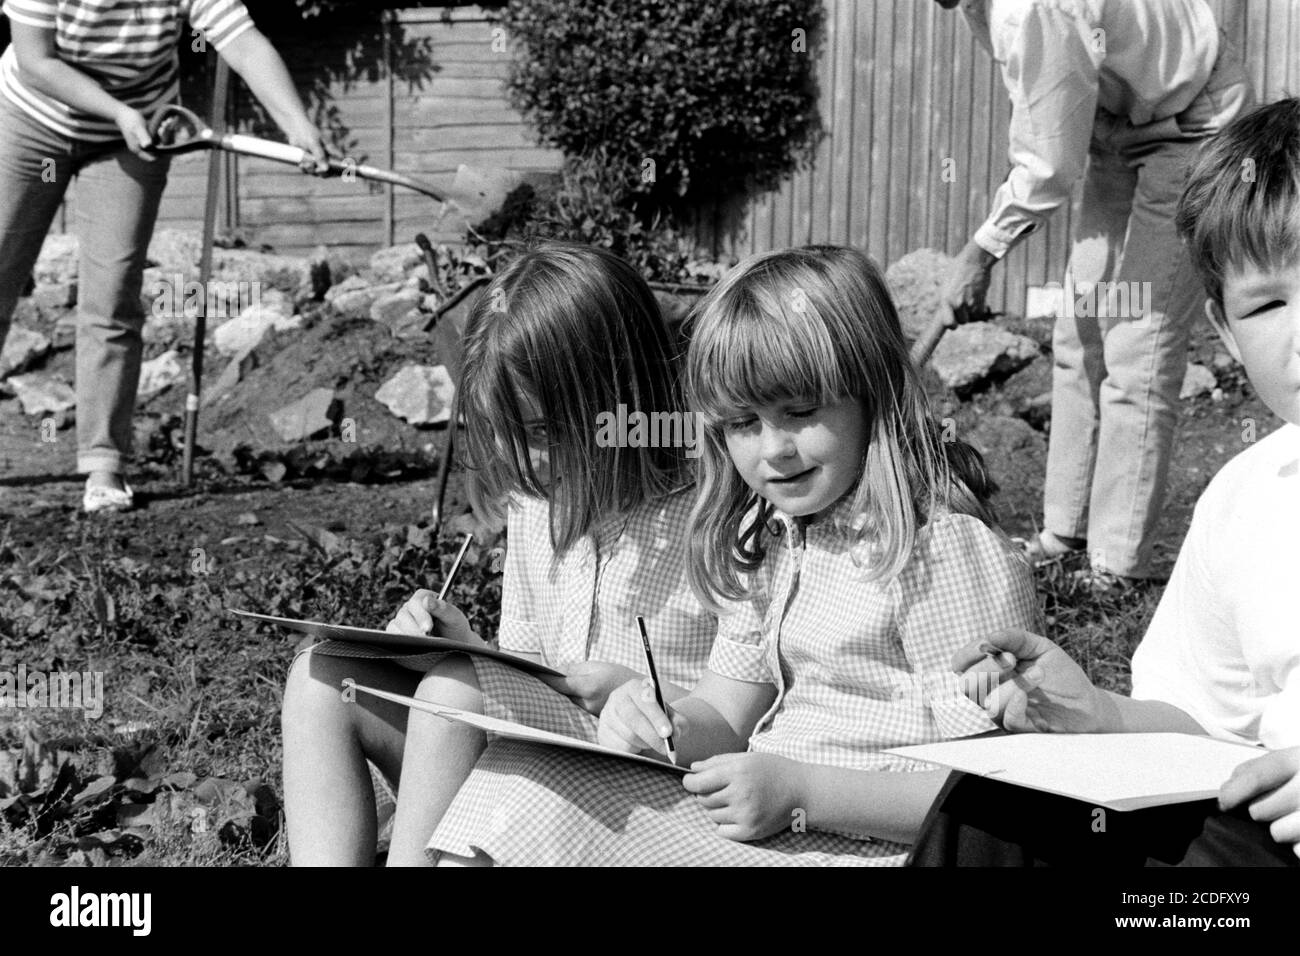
(129, 47)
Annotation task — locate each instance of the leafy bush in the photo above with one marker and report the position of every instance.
(682, 98)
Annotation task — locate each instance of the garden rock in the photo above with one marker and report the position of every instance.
(55, 295)
(159, 373)
(970, 355)
(311, 415)
(245, 331)
(43, 394)
(1197, 381)
(23, 348)
(419, 394)
(354, 296)
(400, 311)
(234, 372)
(57, 261)
(916, 282)
(393, 264)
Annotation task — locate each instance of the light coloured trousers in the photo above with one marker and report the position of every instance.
(117, 204)
(1117, 375)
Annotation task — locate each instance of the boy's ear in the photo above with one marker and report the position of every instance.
(1214, 312)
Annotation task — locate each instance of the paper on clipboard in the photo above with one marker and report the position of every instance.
(406, 643)
(514, 731)
(1115, 771)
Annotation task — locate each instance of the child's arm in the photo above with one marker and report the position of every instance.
(1047, 692)
(754, 795)
(591, 683)
(716, 717)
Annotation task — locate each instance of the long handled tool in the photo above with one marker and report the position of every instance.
(924, 346)
(174, 129)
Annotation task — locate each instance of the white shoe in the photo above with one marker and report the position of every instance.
(103, 498)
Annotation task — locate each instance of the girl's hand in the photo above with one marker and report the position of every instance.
(307, 137)
(749, 796)
(1272, 784)
(135, 130)
(590, 683)
(425, 614)
(1045, 691)
(632, 721)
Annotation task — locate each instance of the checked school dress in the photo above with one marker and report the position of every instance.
(859, 666)
(580, 606)
(583, 605)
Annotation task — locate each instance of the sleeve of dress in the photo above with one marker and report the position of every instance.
(220, 20)
(965, 583)
(519, 631)
(33, 13)
(1050, 59)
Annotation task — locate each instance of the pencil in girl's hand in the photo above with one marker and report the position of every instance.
(654, 679)
(451, 575)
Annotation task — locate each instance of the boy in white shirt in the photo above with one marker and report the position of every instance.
(1222, 654)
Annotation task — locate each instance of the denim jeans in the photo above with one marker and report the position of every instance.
(116, 207)
(1120, 350)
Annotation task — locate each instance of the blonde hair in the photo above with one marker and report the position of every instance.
(575, 330)
(816, 324)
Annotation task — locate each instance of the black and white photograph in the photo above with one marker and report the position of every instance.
(650, 433)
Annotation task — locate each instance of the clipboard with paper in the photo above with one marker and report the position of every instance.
(1115, 771)
(368, 643)
(515, 731)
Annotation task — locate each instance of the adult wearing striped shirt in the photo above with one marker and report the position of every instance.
(78, 85)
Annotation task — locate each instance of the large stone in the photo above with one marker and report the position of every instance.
(353, 297)
(55, 295)
(234, 372)
(1197, 381)
(238, 275)
(23, 348)
(400, 311)
(969, 355)
(916, 283)
(392, 264)
(419, 394)
(160, 373)
(247, 330)
(43, 394)
(57, 261)
(308, 417)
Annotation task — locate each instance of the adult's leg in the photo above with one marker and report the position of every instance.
(1078, 363)
(35, 166)
(1145, 347)
(437, 759)
(328, 738)
(118, 194)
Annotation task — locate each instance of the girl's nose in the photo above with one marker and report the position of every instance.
(777, 443)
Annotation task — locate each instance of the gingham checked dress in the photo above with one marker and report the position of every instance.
(583, 605)
(580, 606)
(859, 666)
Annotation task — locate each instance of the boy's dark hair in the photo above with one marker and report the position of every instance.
(1242, 200)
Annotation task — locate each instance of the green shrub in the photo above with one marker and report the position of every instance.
(684, 99)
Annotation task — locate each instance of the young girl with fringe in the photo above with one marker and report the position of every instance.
(849, 551)
(595, 536)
